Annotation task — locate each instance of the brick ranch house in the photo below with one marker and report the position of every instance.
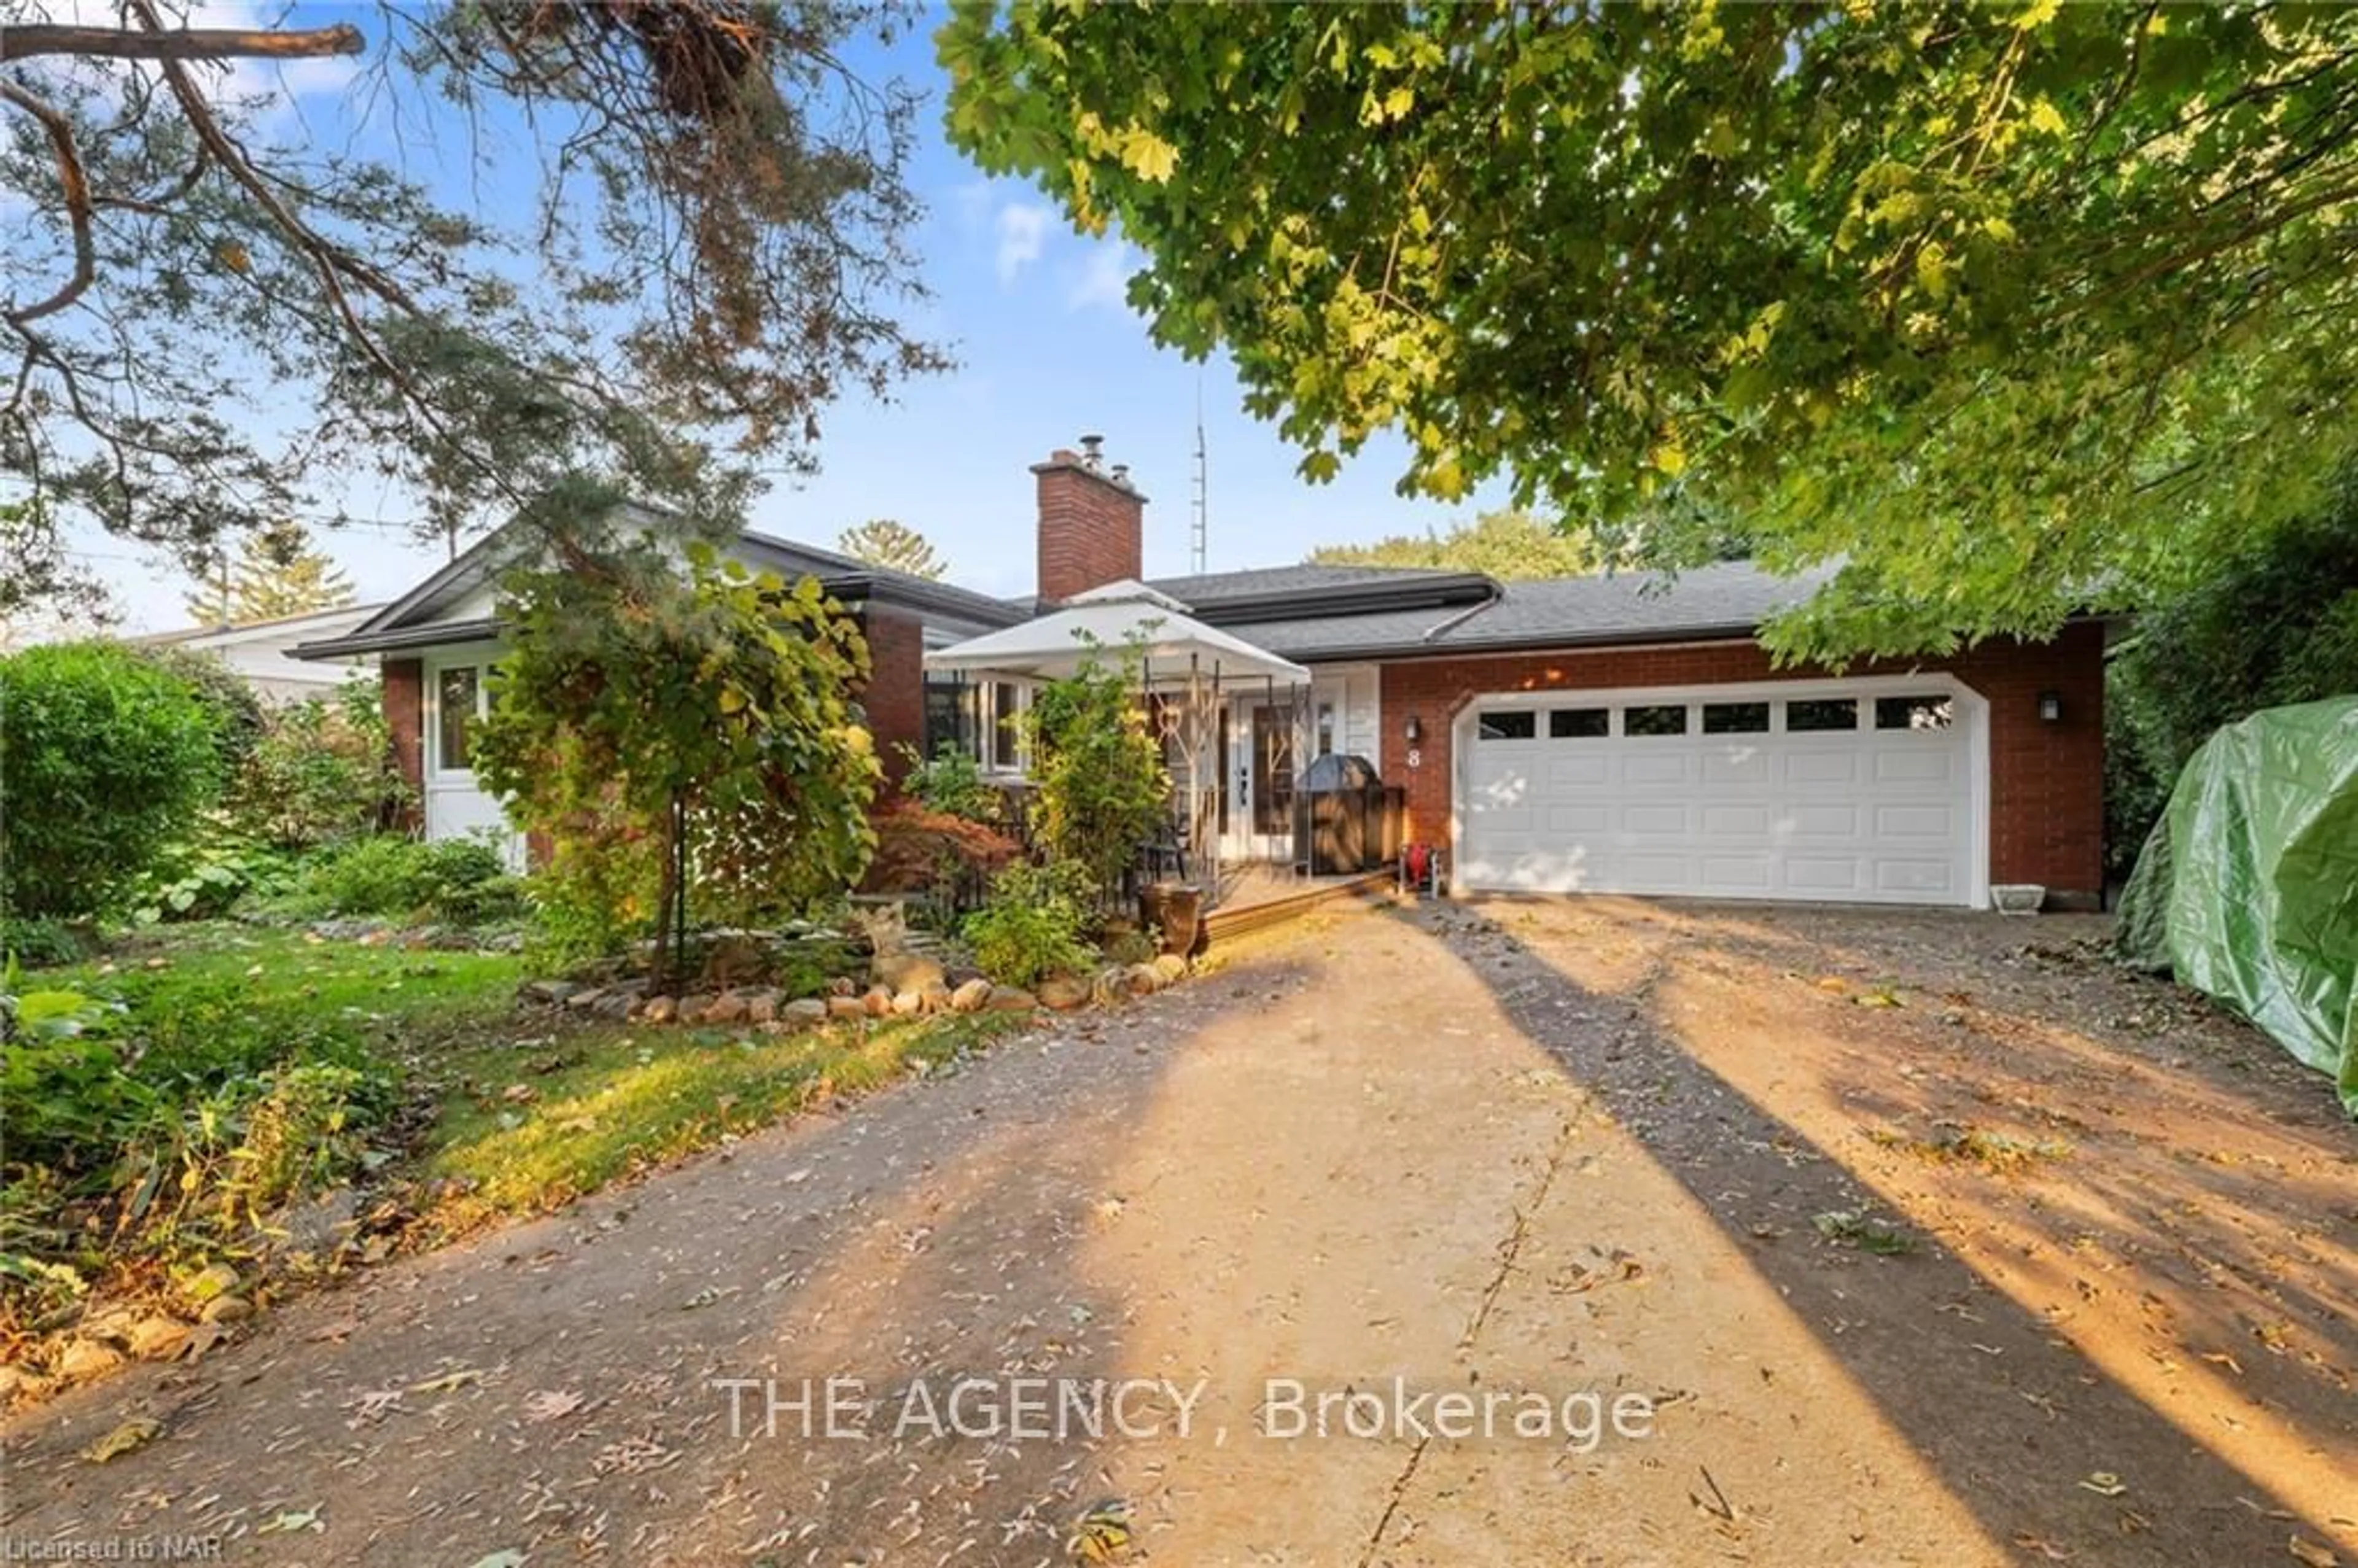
(1588, 734)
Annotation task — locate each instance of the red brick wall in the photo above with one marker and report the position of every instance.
(1092, 528)
(2047, 781)
(895, 694)
(404, 714)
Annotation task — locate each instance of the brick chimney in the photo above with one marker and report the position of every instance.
(1092, 522)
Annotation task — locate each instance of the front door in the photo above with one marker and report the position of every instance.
(1272, 769)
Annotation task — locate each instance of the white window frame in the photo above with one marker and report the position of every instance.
(987, 725)
(435, 765)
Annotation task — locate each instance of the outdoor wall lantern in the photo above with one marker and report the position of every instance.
(1415, 730)
(2051, 706)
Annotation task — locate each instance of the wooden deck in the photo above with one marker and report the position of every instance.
(1254, 896)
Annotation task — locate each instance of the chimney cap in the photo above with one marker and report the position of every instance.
(1092, 449)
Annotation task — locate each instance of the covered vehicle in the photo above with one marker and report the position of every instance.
(2248, 889)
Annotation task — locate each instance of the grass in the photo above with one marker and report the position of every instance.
(493, 1111)
(382, 990)
(541, 1120)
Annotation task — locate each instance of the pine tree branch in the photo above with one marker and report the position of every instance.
(184, 43)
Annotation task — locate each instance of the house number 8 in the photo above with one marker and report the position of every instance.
(1415, 757)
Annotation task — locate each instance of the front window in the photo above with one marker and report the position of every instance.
(458, 694)
(949, 716)
(1003, 728)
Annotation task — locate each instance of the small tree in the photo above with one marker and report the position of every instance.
(277, 572)
(881, 542)
(1100, 788)
(322, 770)
(104, 755)
(708, 719)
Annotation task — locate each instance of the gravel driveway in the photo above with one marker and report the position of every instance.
(1819, 1237)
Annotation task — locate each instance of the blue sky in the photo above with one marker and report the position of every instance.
(1047, 350)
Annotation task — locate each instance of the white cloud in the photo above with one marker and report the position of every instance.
(1023, 232)
(1104, 277)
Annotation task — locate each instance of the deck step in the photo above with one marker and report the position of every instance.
(1233, 920)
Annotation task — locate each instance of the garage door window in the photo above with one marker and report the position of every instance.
(1913, 712)
(1814, 715)
(1509, 724)
(1579, 723)
(1660, 719)
(1736, 719)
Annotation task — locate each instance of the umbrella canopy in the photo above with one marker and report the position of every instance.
(1104, 623)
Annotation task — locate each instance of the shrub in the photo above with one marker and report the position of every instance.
(1031, 927)
(107, 758)
(950, 783)
(320, 772)
(919, 848)
(239, 717)
(463, 882)
(203, 879)
(38, 944)
(1101, 791)
(2278, 626)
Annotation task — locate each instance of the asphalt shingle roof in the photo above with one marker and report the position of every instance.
(1630, 607)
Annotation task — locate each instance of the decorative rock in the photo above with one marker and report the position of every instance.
(842, 985)
(803, 1013)
(1009, 999)
(761, 1007)
(730, 1007)
(692, 1008)
(907, 1005)
(936, 997)
(970, 997)
(549, 993)
(226, 1309)
(845, 1007)
(325, 1220)
(1144, 979)
(1109, 986)
(160, 1338)
(879, 1002)
(1062, 992)
(616, 1005)
(88, 1359)
(906, 971)
(1171, 967)
(584, 998)
(659, 1009)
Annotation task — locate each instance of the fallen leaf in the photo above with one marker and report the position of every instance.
(135, 1433)
(2104, 1483)
(511, 1558)
(450, 1383)
(2308, 1551)
(293, 1520)
(549, 1404)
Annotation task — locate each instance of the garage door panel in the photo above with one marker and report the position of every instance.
(1752, 765)
(1817, 767)
(1928, 761)
(1725, 821)
(1822, 820)
(1867, 814)
(1656, 819)
(1654, 767)
(1584, 770)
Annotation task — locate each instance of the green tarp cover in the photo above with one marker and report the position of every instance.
(2248, 889)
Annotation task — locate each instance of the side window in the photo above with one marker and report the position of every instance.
(1579, 723)
(1508, 724)
(456, 695)
(1932, 712)
(1006, 742)
(1655, 718)
(1808, 714)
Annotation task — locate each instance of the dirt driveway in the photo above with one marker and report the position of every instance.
(1914, 1238)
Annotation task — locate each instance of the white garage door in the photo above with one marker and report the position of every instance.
(1839, 791)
